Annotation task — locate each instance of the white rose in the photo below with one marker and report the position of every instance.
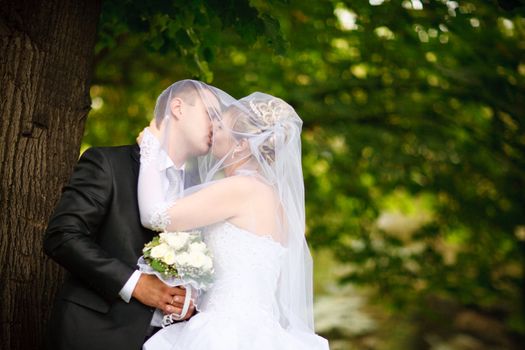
(208, 263)
(169, 257)
(182, 259)
(197, 259)
(198, 247)
(159, 251)
(176, 240)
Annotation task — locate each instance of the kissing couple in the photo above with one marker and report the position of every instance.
(230, 168)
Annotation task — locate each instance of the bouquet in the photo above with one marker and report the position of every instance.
(179, 259)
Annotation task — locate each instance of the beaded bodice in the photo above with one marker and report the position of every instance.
(247, 270)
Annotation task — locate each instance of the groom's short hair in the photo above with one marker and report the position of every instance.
(187, 93)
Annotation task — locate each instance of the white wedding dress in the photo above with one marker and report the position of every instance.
(240, 311)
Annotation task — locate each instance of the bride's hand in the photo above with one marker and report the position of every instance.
(152, 128)
(141, 135)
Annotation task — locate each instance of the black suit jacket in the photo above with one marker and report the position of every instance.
(96, 235)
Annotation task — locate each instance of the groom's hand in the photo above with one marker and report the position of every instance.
(190, 313)
(153, 292)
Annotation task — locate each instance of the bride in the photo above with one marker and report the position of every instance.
(251, 211)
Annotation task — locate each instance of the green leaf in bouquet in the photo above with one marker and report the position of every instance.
(148, 246)
(158, 266)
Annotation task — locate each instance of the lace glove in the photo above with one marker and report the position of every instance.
(149, 147)
(153, 205)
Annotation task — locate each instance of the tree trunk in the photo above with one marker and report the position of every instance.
(46, 55)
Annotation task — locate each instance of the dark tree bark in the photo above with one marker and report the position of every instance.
(46, 53)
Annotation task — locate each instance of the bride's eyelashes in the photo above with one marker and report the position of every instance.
(217, 124)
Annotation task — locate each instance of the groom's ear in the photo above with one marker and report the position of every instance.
(176, 107)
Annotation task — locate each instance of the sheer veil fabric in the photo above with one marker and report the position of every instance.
(183, 112)
(256, 137)
(189, 97)
(263, 140)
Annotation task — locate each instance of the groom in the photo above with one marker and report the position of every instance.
(96, 235)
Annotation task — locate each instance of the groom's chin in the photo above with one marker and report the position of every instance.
(205, 149)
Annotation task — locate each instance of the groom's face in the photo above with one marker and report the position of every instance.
(198, 126)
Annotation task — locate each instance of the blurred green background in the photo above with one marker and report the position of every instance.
(413, 146)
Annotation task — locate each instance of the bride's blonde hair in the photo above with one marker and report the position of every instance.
(261, 118)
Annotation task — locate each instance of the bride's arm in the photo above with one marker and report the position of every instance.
(151, 200)
(219, 201)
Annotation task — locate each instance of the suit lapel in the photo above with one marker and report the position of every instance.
(135, 155)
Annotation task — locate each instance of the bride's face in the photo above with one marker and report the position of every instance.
(223, 140)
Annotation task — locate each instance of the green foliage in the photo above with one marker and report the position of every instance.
(159, 266)
(190, 29)
(413, 142)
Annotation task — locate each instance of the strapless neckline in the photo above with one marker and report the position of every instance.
(267, 238)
